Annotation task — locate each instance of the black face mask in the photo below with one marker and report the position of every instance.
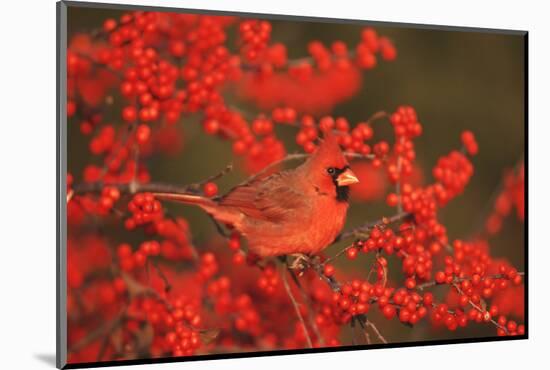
(342, 192)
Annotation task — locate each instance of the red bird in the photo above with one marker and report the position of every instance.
(298, 211)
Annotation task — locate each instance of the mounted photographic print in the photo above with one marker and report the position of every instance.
(237, 184)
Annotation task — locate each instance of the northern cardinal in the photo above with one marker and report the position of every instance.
(298, 211)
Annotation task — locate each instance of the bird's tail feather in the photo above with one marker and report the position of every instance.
(187, 199)
(224, 215)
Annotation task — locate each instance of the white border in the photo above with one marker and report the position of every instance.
(28, 197)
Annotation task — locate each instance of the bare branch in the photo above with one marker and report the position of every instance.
(432, 283)
(375, 330)
(311, 318)
(365, 228)
(295, 304)
(100, 332)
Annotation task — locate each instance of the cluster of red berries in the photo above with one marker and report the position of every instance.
(372, 44)
(109, 196)
(144, 209)
(357, 298)
(352, 140)
(103, 141)
(469, 142)
(119, 164)
(176, 322)
(255, 36)
(234, 243)
(451, 319)
(85, 83)
(176, 242)
(300, 85)
(406, 127)
(88, 125)
(453, 172)
(509, 327)
(150, 79)
(258, 152)
(98, 206)
(219, 291)
(284, 115)
(269, 279)
(245, 315)
(92, 255)
(511, 196)
(248, 318)
(334, 71)
(324, 58)
(146, 78)
(263, 153)
(130, 259)
(262, 126)
(208, 265)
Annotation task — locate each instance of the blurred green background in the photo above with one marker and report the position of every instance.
(456, 80)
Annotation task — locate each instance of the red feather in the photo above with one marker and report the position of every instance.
(293, 211)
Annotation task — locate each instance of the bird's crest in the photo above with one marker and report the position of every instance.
(329, 152)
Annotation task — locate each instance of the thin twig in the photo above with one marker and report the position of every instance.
(97, 64)
(167, 285)
(96, 187)
(375, 330)
(196, 186)
(367, 336)
(152, 187)
(352, 325)
(432, 283)
(194, 252)
(100, 331)
(135, 180)
(377, 116)
(122, 143)
(479, 309)
(295, 304)
(311, 318)
(398, 182)
(247, 67)
(362, 229)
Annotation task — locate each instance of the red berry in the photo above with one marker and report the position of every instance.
(211, 126)
(143, 133)
(392, 200)
(210, 189)
(109, 25)
(440, 277)
(410, 283)
(328, 270)
(388, 311)
(351, 253)
(129, 114)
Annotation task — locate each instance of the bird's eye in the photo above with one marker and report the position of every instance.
(331, 170)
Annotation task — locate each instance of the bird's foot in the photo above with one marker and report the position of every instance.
(298, 262)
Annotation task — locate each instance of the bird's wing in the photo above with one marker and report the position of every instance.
(273, 199)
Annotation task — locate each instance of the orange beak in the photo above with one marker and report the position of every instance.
(347, 178)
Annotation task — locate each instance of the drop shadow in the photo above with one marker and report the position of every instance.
(47, 358)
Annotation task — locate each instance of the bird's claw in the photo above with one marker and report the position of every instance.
(298, 262)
